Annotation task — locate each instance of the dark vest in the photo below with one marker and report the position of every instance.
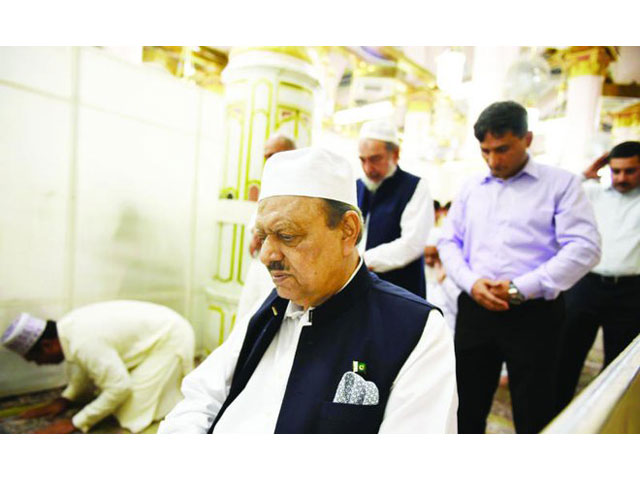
(369, 321)
(385, 207)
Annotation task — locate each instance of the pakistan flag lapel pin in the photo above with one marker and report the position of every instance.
(359, 367)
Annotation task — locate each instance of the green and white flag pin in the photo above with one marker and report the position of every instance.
(359, 367)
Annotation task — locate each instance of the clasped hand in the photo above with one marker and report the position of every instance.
(491, 294)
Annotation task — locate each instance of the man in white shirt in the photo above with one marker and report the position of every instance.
(134, 353)
(333, 349)
(608, 296)
(397, 208)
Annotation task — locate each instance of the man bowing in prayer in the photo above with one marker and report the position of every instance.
(333, 349)
(135, 353)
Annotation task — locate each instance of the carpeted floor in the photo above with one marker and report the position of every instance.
(500, 419)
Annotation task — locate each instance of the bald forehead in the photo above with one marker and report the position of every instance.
(277, 144)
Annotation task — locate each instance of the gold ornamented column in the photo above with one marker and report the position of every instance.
(586, 67)
(626, 125)
(268, 90)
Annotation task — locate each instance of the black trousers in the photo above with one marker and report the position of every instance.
(592, 303)
(526, 338)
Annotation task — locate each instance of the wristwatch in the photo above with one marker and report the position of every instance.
(515, 296)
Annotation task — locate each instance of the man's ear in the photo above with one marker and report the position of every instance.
(528, 138)
(350, 227)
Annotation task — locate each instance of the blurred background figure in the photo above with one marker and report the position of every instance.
(258, 282)
(441, 211)
(441, 290)
(134, 353)
(609, 296)
(397, 208)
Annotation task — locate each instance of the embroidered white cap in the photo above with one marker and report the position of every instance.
(309, 172)
(382, 130)
(23, 333)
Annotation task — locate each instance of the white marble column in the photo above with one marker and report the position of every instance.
(490, 66)
(268, 90)
(584, 93)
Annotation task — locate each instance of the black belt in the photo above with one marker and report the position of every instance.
(617, 280)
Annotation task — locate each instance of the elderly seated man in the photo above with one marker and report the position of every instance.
(333, 349)
(135, 353)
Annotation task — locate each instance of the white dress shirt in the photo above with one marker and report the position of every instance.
(618, 218)
(415, 223)
(423, 397)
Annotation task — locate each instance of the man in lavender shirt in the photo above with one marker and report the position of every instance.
(515, 238)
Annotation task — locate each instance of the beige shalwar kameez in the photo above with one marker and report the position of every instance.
(135, 353)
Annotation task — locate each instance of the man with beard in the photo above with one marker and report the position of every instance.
(397, 208)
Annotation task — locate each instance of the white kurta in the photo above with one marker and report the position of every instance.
(423, 397)
(415, 223)
(134, 352)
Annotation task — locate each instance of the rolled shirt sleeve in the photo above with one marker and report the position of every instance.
(415, 223)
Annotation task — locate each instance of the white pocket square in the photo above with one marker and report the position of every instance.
(355, 390)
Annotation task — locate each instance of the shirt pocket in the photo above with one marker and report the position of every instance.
(346, 418)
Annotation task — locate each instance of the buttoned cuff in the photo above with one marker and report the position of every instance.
(528, 285)
(467, 278)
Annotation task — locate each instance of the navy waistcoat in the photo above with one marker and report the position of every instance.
(385, 207)
(370, 321)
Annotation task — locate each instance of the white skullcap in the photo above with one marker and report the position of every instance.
(23, 333)
(382, 130)
(309, 172)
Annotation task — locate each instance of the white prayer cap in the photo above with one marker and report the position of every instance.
(309, 172)
(23, 333)
(382, 130)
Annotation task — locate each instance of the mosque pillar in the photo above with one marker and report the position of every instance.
(586, 70)
(626, 125)
(267, 90)
(417, 126)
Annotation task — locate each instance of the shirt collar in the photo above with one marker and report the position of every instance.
(531, 169)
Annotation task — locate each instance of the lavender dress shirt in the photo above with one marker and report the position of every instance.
(536, 229)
